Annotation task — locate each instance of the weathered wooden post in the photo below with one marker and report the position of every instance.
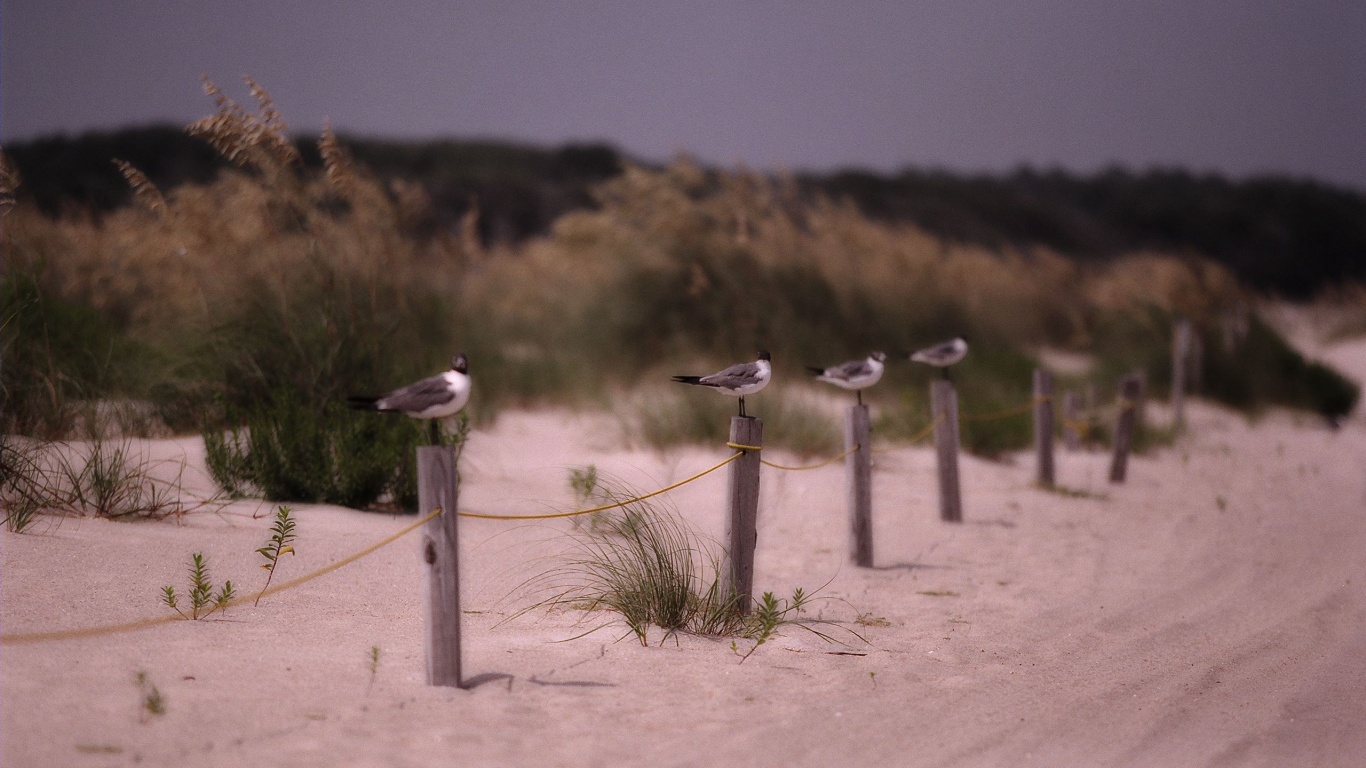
(1129, 392)
(859, 467)
(1071, 418)
(1043, 426)
(742, 524)
(1181, 350)
(438, 487)
(944, 410)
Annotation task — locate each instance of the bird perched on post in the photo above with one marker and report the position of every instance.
(857, 375)
(943, 354)
(738, 380)
(435, 397)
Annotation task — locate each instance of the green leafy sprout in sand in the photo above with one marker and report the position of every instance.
(281, 534)
(373, 658)
(153, 703)
(204, 600)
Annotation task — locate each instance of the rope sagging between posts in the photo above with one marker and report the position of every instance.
(825, 463)
(613, 505)
(110, 629)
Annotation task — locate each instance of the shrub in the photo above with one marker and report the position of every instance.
(290, 450)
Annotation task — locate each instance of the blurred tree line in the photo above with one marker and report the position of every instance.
(1292, 237)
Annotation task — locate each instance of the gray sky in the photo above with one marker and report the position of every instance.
(1235, 87)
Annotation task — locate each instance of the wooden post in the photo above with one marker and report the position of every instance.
(742, 524)
(1071, 413)
(944, 410)
(1129, 391)
(1043, 426)
(438, 486)
(1181, 350)
(859, 465)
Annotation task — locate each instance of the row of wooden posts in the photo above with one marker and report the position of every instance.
(438, 488)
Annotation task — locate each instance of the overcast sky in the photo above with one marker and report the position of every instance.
(1236, 87)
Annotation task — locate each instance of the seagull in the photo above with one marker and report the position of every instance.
(738, 380)
(855, 374)
(435, 397)
(943, 355)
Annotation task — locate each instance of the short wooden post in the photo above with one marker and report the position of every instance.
(1129, 391)
(438, 487)
(1071, 419)
(944, 409)
(859, 466)
(1181, 350)
(1043, 426)
(742, 524)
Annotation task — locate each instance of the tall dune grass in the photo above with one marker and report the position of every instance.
(277, 277)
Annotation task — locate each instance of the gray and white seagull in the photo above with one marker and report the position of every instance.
(435, 397)
(943, 354)
(738, 380)
(857, 375)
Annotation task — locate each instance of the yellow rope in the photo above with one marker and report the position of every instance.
(1081, 426)
(605, 506)
(924, 433)
(741, 447)
(825, 463)
(71, 634)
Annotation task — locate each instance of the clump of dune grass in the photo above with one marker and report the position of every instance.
(110, 478)
(643, 563)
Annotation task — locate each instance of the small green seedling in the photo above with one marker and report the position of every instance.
(281, 534)
(152, 701)
(769, 614)
(203, 599)
(373, 657)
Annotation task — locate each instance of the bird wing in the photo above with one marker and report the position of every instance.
(850, 370)
(740, 373)
(418, 396)
(937, 353)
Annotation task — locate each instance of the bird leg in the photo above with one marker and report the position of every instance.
(434, 433)
(742, 406)
(859, 392)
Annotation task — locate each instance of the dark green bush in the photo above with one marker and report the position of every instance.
(55, 353)
(1265, 370)
(289, 450)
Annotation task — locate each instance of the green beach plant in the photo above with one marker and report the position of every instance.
(204, 598)
(644, 564)
(281, 538)
(372, 661)
(152, 704)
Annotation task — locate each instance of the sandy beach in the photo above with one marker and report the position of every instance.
(1209, 611)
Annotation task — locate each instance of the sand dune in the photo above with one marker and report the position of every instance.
(1211, 611)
